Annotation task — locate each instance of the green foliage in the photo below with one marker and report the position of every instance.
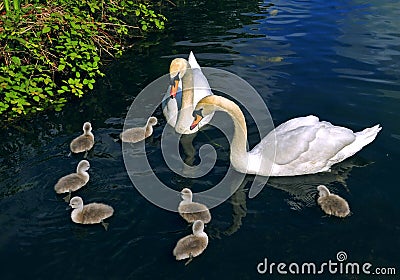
(52, 51)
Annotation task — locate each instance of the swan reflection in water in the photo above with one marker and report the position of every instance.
(302, 191)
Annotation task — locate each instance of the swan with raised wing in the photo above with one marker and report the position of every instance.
(303, 145)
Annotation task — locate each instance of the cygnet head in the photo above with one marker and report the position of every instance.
(187, 195)
(198, 227)
(323, 191)
(83, 166)
(87, 127)
(76, 202)
(152, 121)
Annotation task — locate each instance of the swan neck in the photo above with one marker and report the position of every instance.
(149, 130)
(238, 156)
(187, 88)
(185, 113)
(83, 174)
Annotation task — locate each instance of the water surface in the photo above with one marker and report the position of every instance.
(338, 60)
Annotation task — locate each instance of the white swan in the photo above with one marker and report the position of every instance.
(304, 145)
(332, 204)
(188, 86)
(84, 142)
(192, 211)
(192, 245)
(137, 134)
(74, 181)
(92, 213)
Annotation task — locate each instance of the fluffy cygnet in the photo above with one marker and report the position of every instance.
(92, 213)
(137, 134)
(73, 181)
(84, 142)
(192, 211)
(332, 204)
(192, 245)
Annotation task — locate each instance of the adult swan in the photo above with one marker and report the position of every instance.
(187, 86)
(304, 145)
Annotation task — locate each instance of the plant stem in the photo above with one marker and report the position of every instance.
(7, 5)
(16, 5)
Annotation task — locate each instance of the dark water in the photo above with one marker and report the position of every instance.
(338, 60)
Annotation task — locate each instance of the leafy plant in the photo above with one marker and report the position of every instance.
(52, 51)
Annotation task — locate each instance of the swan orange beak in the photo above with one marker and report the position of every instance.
(196, 121)
(174, 89)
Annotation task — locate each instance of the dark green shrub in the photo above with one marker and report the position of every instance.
(52, 51)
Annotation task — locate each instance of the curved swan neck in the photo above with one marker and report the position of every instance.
(239, 154)
(187, 87)
(186, 110)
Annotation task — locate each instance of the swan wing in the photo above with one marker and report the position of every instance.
(201, 87)
(299, 142)
(193, 62)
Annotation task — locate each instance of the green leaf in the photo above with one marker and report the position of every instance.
(46, 29)
(36, 98)
(16, 60)
(61, 67)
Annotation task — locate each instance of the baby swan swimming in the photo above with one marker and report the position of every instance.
(73, 181)
(137, 134)
(92, 213)
(84, 142)
(192, 245)
(192, 211)
(332, 204)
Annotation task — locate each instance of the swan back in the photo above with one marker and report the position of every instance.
(332, 204)
(303, 145)
(92, 213)
(193, 244)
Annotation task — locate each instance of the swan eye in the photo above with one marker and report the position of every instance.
(172, 81)
(198, 113)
